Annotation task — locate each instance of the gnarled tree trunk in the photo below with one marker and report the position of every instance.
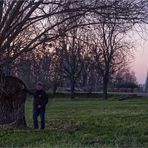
(12, 102)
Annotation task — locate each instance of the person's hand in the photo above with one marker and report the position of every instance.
(39, 106)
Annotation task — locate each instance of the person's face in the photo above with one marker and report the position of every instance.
(39, 87)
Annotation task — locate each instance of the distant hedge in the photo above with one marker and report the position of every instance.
(89, 95)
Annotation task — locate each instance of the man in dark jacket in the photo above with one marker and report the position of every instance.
(39, 105)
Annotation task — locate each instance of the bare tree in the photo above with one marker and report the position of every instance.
(25, 25)
(71, 61)
(56, 76)
(109, 49)
(16, 18)
(125, 80)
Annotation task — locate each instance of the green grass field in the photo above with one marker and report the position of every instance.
(85, 123)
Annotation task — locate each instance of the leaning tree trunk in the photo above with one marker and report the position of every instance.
(12, 102)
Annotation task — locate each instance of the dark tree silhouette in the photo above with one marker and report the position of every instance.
(12, 102)
(25, 25)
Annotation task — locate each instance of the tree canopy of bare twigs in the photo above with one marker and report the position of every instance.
(27, 26)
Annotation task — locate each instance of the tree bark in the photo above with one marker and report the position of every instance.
(72, 89)
(55, 88)
(12, 103)
(105, 86)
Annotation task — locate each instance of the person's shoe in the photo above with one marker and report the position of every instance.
(35, 127)
(42, 128)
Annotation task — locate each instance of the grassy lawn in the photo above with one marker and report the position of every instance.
(85, 123)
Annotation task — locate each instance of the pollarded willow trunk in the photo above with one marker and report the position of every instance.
(12, 102)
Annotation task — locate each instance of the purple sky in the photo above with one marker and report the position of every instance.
(140, 64)
(139, 38)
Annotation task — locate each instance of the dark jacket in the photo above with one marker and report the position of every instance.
(40, 98)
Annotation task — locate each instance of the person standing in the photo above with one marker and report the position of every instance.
(40, 100)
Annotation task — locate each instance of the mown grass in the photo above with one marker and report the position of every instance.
(85, 123)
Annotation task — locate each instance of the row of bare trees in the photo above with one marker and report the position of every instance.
(67, 32)
(82, 57)
(79, 41)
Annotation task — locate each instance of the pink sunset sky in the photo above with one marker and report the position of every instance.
(140, 62)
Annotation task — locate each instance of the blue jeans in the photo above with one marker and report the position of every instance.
(36, 113)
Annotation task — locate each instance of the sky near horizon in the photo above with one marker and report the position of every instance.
(140, 62)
